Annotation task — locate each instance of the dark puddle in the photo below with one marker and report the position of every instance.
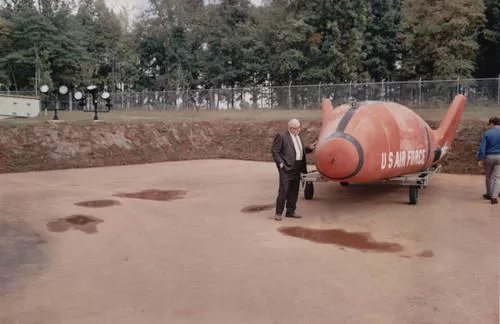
(423, 254)
(257, 208)
(84, 223)
(359, 241)
(426, 254)
(153, 194)
(98, 203)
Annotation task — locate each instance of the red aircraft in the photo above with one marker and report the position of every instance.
(381, 141)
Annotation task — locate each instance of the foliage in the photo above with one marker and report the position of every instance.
(381, 43)
(186, 44)
(440, 37)
(489, 42)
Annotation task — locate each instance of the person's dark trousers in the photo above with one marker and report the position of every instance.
(288, 190)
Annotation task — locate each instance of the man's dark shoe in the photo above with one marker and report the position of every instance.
(293, 215)
(494, 201)
(277, 217)
(486, 197)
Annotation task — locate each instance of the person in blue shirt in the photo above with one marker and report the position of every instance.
(488, 157)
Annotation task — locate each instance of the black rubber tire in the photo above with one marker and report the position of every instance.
(413, 195)
(309, 190)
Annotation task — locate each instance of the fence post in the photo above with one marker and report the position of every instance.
(319, 93)
(262, 95)
(382, 92)
(350, 88)
(271, 94)
(210, 98)
(290, 95)
(164, 99)
(70, 100)
(420, 91)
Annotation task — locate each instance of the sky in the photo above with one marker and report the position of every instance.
(135, 7)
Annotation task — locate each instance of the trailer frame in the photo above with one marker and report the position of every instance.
(414, 182)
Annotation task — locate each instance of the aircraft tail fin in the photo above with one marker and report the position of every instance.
(326, 109)
(446, 130)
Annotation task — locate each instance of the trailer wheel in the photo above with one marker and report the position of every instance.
(413, 195)
(309, 190)
(344, 184)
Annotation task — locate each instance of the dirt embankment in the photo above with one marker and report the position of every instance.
(49, 146)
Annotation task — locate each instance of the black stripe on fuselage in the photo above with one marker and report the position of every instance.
(428, 146)
(340, 133)
(345, 120)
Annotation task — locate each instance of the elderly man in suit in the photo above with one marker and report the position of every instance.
(289, 153)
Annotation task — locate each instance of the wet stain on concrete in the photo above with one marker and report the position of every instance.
(21, 253)
(84, 223)
(185, 313)
(257, 208)
(358, 241)
(153, 194)
(98, 203)
(426, 254)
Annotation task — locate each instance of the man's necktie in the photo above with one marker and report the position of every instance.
(299, 146)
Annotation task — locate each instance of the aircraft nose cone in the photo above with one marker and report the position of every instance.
(337, 158)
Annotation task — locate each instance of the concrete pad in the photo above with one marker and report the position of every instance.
(197, 255)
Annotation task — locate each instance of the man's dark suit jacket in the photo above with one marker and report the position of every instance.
(283, 151)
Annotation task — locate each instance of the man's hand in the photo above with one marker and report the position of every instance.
(281, 165)
(313, 145)
(480, 163)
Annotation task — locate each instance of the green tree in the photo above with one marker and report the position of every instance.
(223, 53)
(43, 45)
(103, 34)
(169, 42)
(334, 47)
(4, 49)
(180, 60)
(440, 37)
(17, 6)
(283, 34)
(32, 36)
(489, 41)
(126, 66)
(4, 36)
(381, 42)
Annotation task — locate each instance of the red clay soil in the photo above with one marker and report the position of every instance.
(50, 146)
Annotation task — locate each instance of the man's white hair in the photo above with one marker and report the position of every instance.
(294, 122)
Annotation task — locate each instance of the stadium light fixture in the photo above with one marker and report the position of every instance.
(78, 95)
(44, 89)
(63, 90)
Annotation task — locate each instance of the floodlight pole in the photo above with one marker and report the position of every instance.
(56, 116)
(94, 100)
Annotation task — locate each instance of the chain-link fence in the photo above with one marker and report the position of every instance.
(416, 94)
